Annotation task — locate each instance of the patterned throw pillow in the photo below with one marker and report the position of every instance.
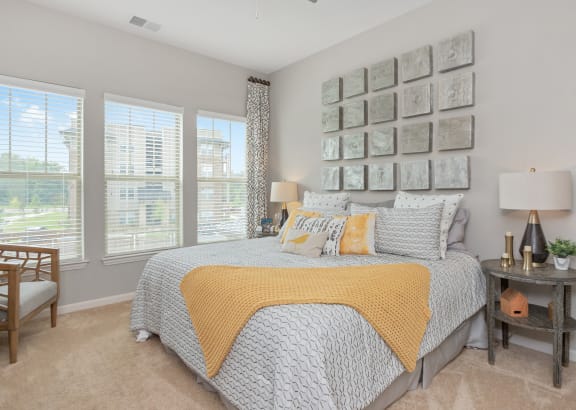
(304, 243)
(333, 226)
(326, 201)
(409, 232)
(291, 219)
(450, 202)
(358, 238)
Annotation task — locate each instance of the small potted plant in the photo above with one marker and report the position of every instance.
(562, 249)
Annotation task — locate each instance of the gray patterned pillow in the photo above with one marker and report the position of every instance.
(334, 227)
(326, 201)
(409, 231)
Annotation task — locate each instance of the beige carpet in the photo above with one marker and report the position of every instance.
(90, 361)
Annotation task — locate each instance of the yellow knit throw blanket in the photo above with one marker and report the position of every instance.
(392, 298)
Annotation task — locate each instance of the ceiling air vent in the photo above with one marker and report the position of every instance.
(150, 25)
(138, 21)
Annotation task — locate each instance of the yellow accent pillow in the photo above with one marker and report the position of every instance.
(292, 218)
(358, 238)
(305, 243)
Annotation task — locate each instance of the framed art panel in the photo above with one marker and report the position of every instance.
(355, 83)
(456, 133)
(417, 100)
(354, 146)
(382, 177)
(382, 142)
(331, 180)
(452, 173)
(332, 91)
(384, 74)
(331, 148)
(416, 138)
(383, 108)
(456, 91)
(416, 64)
(456, 52)
(354, 178)
(331, 119)
(354, 114)
(415, 175)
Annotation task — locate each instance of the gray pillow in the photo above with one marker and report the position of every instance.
(457, 231)
(407, 231)
(304, 243)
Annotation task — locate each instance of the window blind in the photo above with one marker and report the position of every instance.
(41, 131)
(143, 175)
(221, 160)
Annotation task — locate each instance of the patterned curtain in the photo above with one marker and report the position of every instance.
(257, 137)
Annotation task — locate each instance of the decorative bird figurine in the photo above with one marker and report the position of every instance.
(300, 240)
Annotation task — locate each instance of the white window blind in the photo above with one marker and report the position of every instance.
(143, 175)
(221, 157)
(41, 133)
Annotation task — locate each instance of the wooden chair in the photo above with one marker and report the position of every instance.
(29, 283)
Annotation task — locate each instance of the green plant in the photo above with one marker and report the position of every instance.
(562, 248)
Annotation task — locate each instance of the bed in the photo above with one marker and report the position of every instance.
(309, 356)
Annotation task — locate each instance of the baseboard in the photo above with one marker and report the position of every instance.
(90, 304)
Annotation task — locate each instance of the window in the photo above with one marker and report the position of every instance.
(41, 166)
(221, 155)
(143, 175)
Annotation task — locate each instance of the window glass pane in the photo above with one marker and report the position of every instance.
(41, 163)
(221, 179)
(142, 148)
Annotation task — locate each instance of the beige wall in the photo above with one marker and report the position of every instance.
(525, 103)
(41, 45)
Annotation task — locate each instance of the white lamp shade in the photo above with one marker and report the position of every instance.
(550, 190)
(284, 192)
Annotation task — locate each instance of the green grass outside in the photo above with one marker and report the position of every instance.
(52, 220)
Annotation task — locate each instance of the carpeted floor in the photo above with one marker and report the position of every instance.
(90, 361)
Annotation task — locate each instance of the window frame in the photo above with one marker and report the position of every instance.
(153, 177)
(80, 260)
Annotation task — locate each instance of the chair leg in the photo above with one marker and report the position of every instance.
(53, 313)
(13, 344)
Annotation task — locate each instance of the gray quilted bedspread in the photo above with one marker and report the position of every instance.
(299, 356)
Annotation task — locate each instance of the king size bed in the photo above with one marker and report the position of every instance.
(310, 355)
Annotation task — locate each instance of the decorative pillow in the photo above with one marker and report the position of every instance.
(326, 201)
(457, 231)
(304, 243)
(333, 226)
(291, 219)
(358, 238)
(409, 232)
(450, 202)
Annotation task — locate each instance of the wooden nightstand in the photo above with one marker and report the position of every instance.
(265, 235)
(562, 323)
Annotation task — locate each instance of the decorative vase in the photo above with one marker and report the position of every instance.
(561, 263)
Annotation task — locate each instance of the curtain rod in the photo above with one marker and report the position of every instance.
(258, 81)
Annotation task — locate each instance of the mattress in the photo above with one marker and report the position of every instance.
(299, 356)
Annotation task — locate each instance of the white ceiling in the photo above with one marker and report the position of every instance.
(229, 30)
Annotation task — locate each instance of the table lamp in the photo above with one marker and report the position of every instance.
(534, 191)
(284, 192)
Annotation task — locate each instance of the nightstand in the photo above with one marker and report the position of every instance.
(265, 234)
(562, 323)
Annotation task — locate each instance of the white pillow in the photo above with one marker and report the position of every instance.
(334, 226)
(326, 201)
(304, 243)
(451, 202)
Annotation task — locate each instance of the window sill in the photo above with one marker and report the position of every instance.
(131, 257)
(73, 265)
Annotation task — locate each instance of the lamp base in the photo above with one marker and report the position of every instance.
(534, 237)
(284, 216)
